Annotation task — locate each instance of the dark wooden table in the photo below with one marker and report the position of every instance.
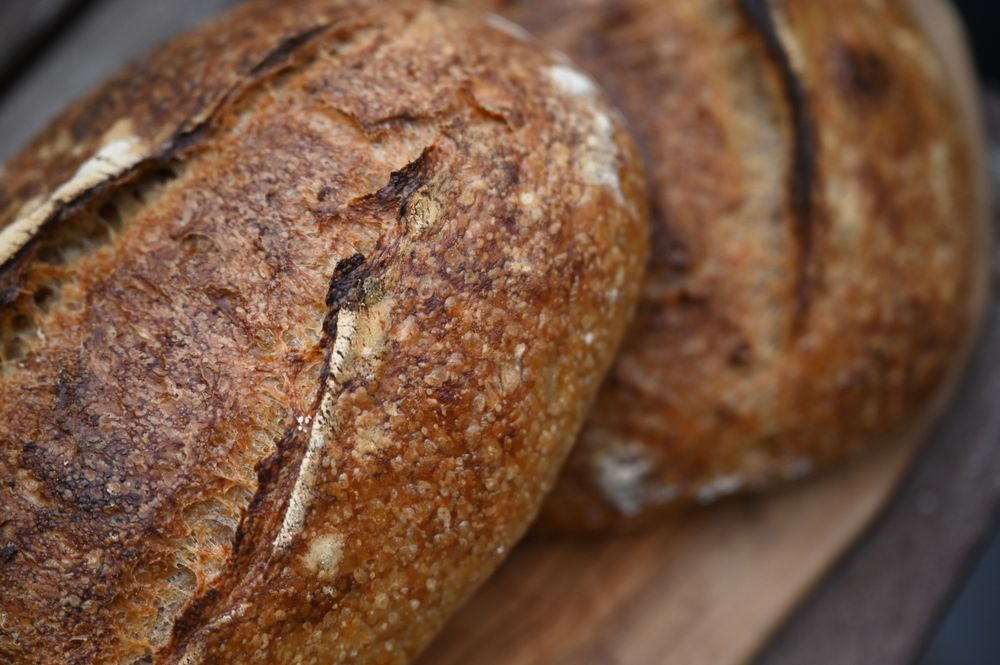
(880, 603)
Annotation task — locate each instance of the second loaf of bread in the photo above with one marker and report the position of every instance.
(820, 242)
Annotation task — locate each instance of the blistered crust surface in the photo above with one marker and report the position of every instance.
(815, 259)
(288, 380)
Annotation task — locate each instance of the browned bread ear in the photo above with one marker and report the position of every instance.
(300, 316)
(818, 262)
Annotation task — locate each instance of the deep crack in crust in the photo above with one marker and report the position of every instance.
(291, 370)
(818, 262)
(803, 165)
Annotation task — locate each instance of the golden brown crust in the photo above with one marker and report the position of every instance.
(816, 268)
(290, 361)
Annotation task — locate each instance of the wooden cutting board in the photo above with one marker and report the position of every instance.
(705, 590)
(708, 589)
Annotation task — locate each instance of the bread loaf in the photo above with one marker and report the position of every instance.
(299, 316)
(819, 254)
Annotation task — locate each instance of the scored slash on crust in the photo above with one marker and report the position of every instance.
(359, 313)
(805, 147)
(113, 160)
(322, 425)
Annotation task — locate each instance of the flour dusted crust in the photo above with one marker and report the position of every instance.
(298, 318)
(819, 246)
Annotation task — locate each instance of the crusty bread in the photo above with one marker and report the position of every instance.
(819, 255)
(299, 317)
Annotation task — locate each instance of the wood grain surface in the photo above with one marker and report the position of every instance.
(729, 576)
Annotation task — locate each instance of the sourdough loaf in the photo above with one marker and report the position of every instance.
(299, 316)
(819, 241)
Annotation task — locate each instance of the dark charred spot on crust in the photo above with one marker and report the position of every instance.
(805, 151)
(346, 290)
(188, 136)
(7, 553)
(405, 182)
(860, 73)
(741, 355)
(344, 280)
(285, 50)
(392, 198)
